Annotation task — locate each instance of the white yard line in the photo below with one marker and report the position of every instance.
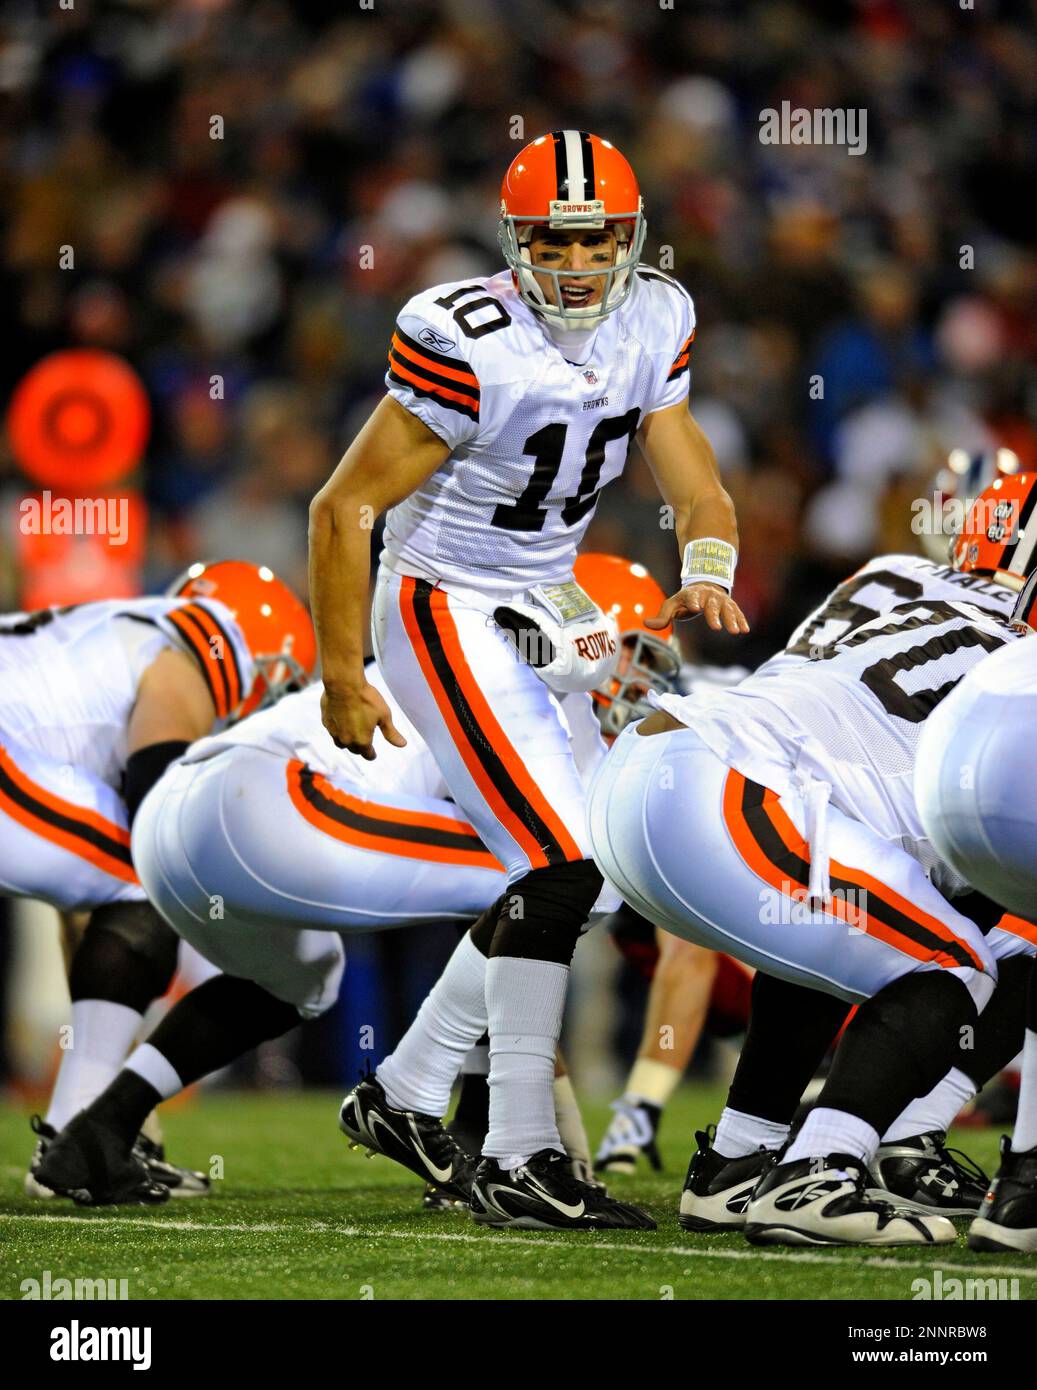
(530, 1243)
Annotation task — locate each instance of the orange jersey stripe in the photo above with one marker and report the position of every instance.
(447, 632)
(83, 832)
(681, 360)
(398, 367)
(882, 891)
(420, 360)
(1018, 926)
(418, 835)
(211, 644)
(202, 653)
(220, 650)
(757, 860)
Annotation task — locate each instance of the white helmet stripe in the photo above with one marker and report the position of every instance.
(1018, 556)
(577, 192)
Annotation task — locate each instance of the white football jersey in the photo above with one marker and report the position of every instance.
(292, 729)
(878, 586)
(851, 719)
(69, 676)
(533, 437)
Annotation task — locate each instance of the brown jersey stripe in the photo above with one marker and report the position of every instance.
(495, 766)
(74, 828)
(387, 830)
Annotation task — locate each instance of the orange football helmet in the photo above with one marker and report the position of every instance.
(276, 625)
(999, 537)
(962, 478)
(571, 180)
(647, 659)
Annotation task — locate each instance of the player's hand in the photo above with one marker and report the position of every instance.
(714, 603)
(351, 717)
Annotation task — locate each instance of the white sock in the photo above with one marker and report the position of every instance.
(1025, 1135)
(525, 1000)
(652, 1081)
(739, 1134)
(571, 1130)
(155, 1069)
(934, 1111)
(102, 1034)
(418, 1075)
(833, 1132)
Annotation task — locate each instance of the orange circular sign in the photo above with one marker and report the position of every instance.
(79, 419)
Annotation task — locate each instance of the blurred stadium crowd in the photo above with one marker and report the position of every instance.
(252, 189)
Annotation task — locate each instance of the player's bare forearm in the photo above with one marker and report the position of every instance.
(392, 455)
(685, 468)
(340, 566)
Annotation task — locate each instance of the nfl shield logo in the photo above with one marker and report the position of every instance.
(591, 378)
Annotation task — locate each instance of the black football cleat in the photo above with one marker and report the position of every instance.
(182, 1182)
(922, 1174)
(45, 1134)
(89, 1163)
(630, 1136)
(418, 1142)
(1007, 1219)
(717, 1189)
(542, 1195)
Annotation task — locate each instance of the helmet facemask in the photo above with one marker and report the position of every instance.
(515, 235)
(277, 674)
(646, 663)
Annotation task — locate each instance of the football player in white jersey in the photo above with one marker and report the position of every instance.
(511, 402)
(261, 846)
(795, 787)
(95, 701)
(975, 788)
(913, 1162)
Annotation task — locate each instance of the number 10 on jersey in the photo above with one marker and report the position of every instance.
(546, 446)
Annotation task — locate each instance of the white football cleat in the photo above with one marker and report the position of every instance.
(825, 1201)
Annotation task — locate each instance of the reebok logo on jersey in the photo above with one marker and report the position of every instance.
(439, 341)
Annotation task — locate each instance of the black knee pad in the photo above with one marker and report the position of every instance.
(540, 917)
(127, 956)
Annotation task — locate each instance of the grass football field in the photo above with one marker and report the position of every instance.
(298, 1215)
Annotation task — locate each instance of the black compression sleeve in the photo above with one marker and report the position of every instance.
(144, 768)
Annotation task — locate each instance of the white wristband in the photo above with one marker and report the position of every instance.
(709, 561)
